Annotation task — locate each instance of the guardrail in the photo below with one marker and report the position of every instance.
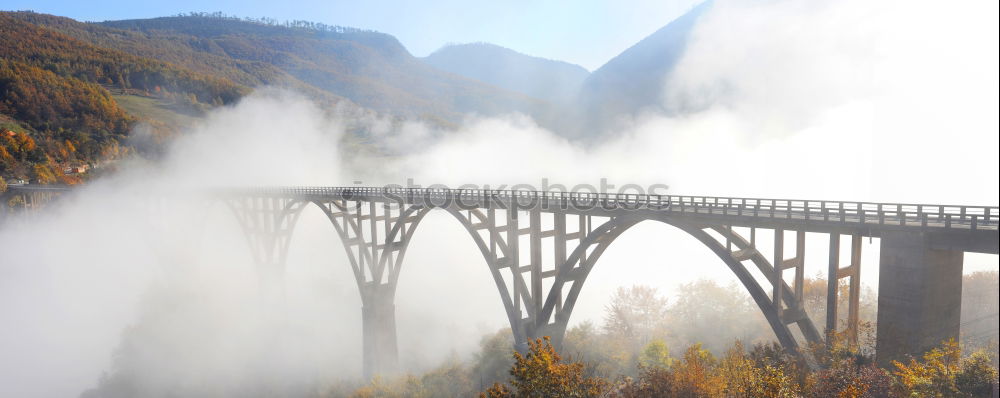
(867, 213)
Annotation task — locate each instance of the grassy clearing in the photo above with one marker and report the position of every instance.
(156, 109)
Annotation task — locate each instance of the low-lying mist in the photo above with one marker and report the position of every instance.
(852, 100)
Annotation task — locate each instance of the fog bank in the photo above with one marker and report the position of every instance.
(852, 100)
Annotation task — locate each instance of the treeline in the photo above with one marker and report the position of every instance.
(709, 342)
(188, 52)
(762, 372)
(301, 24)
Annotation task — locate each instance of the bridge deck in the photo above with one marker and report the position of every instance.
(953, 227)
(869, 214)
(967, 223)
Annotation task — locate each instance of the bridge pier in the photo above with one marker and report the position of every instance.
(556, 332)
(920, 296)
(378, 317)
(835, 273)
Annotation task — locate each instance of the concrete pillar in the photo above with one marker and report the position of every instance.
(378, 313)
(522, 333)
(919, 296)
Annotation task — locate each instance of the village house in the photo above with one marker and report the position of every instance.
(78, 169)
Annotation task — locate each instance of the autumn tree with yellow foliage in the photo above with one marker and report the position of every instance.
(542, 373)
(944, 373)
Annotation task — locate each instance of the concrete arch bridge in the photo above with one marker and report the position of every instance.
(540, 247)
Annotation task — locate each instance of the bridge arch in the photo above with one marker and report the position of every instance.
(600, 239)
(581, 262)
(268, 226)
(375, 254)
(419, 212)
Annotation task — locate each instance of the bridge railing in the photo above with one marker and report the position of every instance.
(863, 213)
(925, 215)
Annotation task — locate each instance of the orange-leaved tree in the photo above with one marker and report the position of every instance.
(542, 372)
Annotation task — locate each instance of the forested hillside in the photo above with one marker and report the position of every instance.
(79, 88)
(67, 56)
(369, 68)
(72, 120)
(75, 90)
(182, 51)
(55, 94)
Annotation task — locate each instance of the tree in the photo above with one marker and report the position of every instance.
(608, 355)
(703, 306)
(943, 372)
(44, 174)
(493, 361)
(452, 379)
(695, 375)
(848, 377)
(652, 382)
(935, 375)
(542, 372)
(635, 313)
(979, 310)
(976, 375)
(655, 355)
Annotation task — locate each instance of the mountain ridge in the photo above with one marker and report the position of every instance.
(552, 80)
(191, 63)
(634, 80)
(368, 68)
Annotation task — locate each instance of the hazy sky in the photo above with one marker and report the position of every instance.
(585, 32)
